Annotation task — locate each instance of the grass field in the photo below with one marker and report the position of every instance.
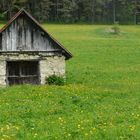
(100, 101)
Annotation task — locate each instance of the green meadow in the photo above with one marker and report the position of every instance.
(101, 98)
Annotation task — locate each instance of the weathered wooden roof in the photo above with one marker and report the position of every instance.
(65, 52)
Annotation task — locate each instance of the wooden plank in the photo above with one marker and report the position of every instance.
(0, 41)
(23, 35)
(23, 72)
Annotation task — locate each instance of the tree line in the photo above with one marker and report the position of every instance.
(74, 11)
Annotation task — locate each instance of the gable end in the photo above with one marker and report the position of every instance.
(24, 33)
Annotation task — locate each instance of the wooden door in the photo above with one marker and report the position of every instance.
(23, 72)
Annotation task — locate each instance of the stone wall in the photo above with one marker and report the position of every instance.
(52, 65)
(2, 72)
(49, 64)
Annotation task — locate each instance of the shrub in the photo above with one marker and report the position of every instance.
(116, 28)
(55, 80)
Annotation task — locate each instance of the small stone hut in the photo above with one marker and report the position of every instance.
(28, 53)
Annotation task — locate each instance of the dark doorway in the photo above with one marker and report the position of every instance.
(22, 72)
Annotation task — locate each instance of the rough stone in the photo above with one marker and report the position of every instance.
(48, 65)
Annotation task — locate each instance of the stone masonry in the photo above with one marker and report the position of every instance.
(49, 64)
